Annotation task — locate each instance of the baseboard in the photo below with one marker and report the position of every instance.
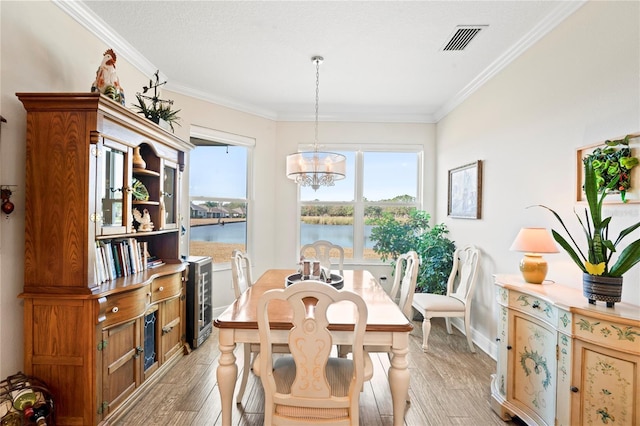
(480, 340)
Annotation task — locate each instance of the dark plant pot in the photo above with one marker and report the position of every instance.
(605, 289)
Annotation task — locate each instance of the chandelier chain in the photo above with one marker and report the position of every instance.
(317, 99)
(315, 168)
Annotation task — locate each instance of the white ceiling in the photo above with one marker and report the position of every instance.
(383, 59)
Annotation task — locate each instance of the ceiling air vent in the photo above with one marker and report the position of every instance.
(462, 36)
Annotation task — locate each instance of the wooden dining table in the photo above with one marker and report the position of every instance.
(386, 325)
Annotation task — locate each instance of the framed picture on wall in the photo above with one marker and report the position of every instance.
(612, 156)
(465, 191)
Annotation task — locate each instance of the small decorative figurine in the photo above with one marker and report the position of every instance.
(107, 81)
(143, 219)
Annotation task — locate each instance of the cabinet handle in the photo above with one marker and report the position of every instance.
(573, 389)
(509, 347)
(166, 330)
(536, 305)
(139, 350)
(497, 339)
(115, 309)
(160, 288)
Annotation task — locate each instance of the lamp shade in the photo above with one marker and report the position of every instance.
(316, 168)
(534, 240)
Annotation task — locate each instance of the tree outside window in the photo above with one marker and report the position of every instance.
(377, 181)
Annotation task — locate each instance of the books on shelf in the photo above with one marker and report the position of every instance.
(154, 262)
(121, 258)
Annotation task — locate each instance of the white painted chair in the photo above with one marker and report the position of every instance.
(309, 386)
(241, 277)
(240, 272)
(405, 278)
(326, 252)
(404, 282)
(457, 301)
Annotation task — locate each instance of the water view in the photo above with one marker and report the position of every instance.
(235, 233)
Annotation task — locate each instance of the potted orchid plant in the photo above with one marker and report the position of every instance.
(602, 276)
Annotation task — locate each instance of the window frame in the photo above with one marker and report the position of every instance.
(221, 137)
(358, 203)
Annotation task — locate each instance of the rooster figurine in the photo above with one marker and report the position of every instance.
(107, 81)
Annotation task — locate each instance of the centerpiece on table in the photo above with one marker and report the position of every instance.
(602, 277)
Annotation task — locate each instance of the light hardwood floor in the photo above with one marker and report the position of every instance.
(449, 386)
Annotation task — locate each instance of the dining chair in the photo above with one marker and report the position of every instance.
(405, 278)
(309, 386)
(240, 272)
(404, 282)
(324, 251)
(241, 277)
(457, 301)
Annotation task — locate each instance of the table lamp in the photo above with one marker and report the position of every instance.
(533, 242)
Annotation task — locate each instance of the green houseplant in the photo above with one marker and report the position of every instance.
(156, 109)
(394, 236)
(612, 162)
(602, 276)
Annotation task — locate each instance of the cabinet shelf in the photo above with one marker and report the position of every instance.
(145, 203)
(137, 234)
(102, 342)
(145, 172)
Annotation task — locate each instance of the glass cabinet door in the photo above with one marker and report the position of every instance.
(112, 190)
(169, 196)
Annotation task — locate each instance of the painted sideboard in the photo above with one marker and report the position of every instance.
(562, 361)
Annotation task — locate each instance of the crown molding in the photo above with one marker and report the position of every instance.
(94, 24)
(559, 14)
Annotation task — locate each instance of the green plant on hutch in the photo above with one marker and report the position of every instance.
(602, 277)
(157, 109)
(394, 236)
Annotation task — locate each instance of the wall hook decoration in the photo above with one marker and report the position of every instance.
(5, 194)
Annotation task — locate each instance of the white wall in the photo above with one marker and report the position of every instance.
(577, 86)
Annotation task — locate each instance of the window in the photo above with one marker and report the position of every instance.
(218, 195)
(378, 180)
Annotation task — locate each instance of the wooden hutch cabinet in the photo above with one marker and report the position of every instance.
(562, 361)
(100, 326)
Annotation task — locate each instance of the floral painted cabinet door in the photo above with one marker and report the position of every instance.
(606, 381)
(534, 360)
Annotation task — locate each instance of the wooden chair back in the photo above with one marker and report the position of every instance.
(404, 281)
(310, 386)
(324, 251)
(463, 273)
(240, 272)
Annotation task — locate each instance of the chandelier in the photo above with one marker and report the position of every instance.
(316, 168)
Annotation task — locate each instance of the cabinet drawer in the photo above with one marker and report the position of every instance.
(125, 306)
(534, 306)
(165, 287)
(607, 333)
